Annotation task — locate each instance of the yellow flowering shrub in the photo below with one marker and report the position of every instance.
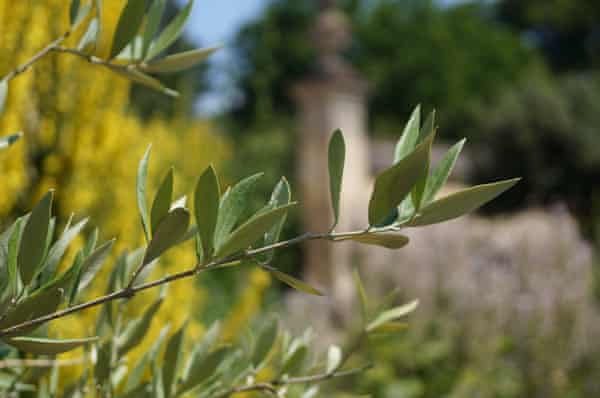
(80, 139)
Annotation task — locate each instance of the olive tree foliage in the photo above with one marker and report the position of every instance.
(36, 286)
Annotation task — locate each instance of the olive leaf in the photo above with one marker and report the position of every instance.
(93, 263)
(41, 303)
(410, 136)
(178, 62)
(202, 370)
(460, 203)
(142, 177)
(171, 32)
(387, 240)
(130, 20)
(295, 283)
(392, 315)
(252, 230)
(155, 14)
(172, 358)
(395, 183)
(43, 346)
(281, 196)
(206, 209)
(442, 171)
(265, 342)
(336, 159)
(162, 201)
(169, 232)
(31, 252)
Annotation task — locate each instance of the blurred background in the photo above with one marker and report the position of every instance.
(510, 296)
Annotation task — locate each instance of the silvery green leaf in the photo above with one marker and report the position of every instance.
(93, 263)
(336, 160)
(141, 183)
(206, 209)
(265, 342)
(178, 62)
(130, 20)
(169, 233)
(410, 136)
(152, 24)
(383, 239)
(440, 174)
(172, 32)
(162, 201)
(392, 315)
(43, 346)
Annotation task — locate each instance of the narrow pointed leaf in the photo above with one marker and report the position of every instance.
(152, 24)
(93, 263)
(3, 94)
(13, 247)
(60, 246)
(265, 342)
(295, 283)
(392, 315)
(296, 360)
(74, 10)
(171, 32)
(252, 230)
(395, 183)
(169, 232)
(137, 329)
(87, 43)
(173, 355)
(336, 159)
(387, 240)
(158, 385)
(206, 209)
(180, 61)
(31, 251)
(130, 20)
(460, 203)
(428, 126)
(440, 174)
(162, 201)
(418, 190)
(137, 76)
(42, 346)
(201, 371)
(281, 196)
(362, 295)
(201, 350)
(142, 177)
(410, 136)
(232, 207)
(334, 359)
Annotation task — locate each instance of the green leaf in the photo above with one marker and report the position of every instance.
(93, 263)
(206, 209)
(295, 283)
(142, 177)
(31, 249)
(158, 385)
(3, 94)
(265, 342)
(41, 346)
(391, 328)
(440, 174)
(387, 240)
(460, 203)
(336, 159)
(179, 62)
(169, 232)
(90, 244)
(252, 230)
(428, 126)
(88, 41)
(152, 24)
(418, 190)
(162, 201)
(74, 10)
(135, 377)
(135, 75)
(232, 206)
(334, 359)
(103, 363)
(41, 303)
(201, 350)
(295, 359)
(60, 246)
(392, 315)
(410, 136)
(129, 23)
(395, 183)
(136, 330)
(77, 264)
(171, 32)
(14, 281)
(173, 355)
(201, 371)
(8, 140)
(362, 295)
(281, 196)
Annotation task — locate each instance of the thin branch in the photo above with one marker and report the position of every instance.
(131, 291)
(53, 46)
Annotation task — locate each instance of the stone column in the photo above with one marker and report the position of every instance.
(333, 97)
